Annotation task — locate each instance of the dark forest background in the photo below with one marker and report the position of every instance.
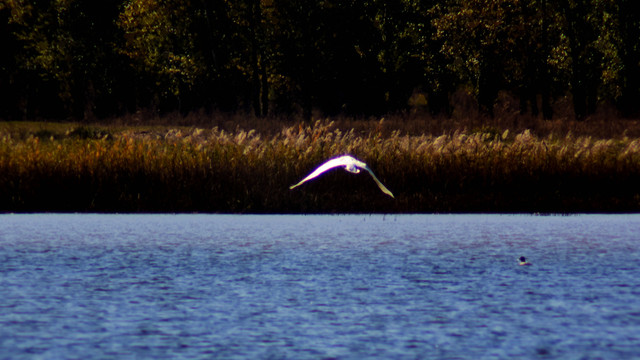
(87, 59)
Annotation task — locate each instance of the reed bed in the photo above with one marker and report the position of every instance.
(190, 169)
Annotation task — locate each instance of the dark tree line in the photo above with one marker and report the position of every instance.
(83, 59)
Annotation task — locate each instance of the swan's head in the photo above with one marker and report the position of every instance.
(352, 168)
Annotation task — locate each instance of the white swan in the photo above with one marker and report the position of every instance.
(350, 164)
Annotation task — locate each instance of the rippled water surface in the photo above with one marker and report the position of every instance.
(347, 287)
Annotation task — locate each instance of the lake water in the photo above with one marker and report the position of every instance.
(313, 287)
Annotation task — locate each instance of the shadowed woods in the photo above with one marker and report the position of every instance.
(84, 60)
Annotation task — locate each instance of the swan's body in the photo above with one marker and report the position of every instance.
(350, 164)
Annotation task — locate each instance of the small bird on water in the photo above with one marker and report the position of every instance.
(523, 261)
(350, 164)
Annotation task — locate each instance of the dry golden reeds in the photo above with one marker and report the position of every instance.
(185, 169)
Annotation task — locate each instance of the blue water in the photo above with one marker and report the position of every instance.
(312, 287)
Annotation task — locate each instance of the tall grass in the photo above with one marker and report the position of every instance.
(185, 169)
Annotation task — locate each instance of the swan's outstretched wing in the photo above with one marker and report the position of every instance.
(340, 161)
(382, 187)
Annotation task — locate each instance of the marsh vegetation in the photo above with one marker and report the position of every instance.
(244, 164)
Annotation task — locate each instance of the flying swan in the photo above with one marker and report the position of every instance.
(350, 164)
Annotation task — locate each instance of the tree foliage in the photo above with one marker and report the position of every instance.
(157, 38)
(81, 59)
